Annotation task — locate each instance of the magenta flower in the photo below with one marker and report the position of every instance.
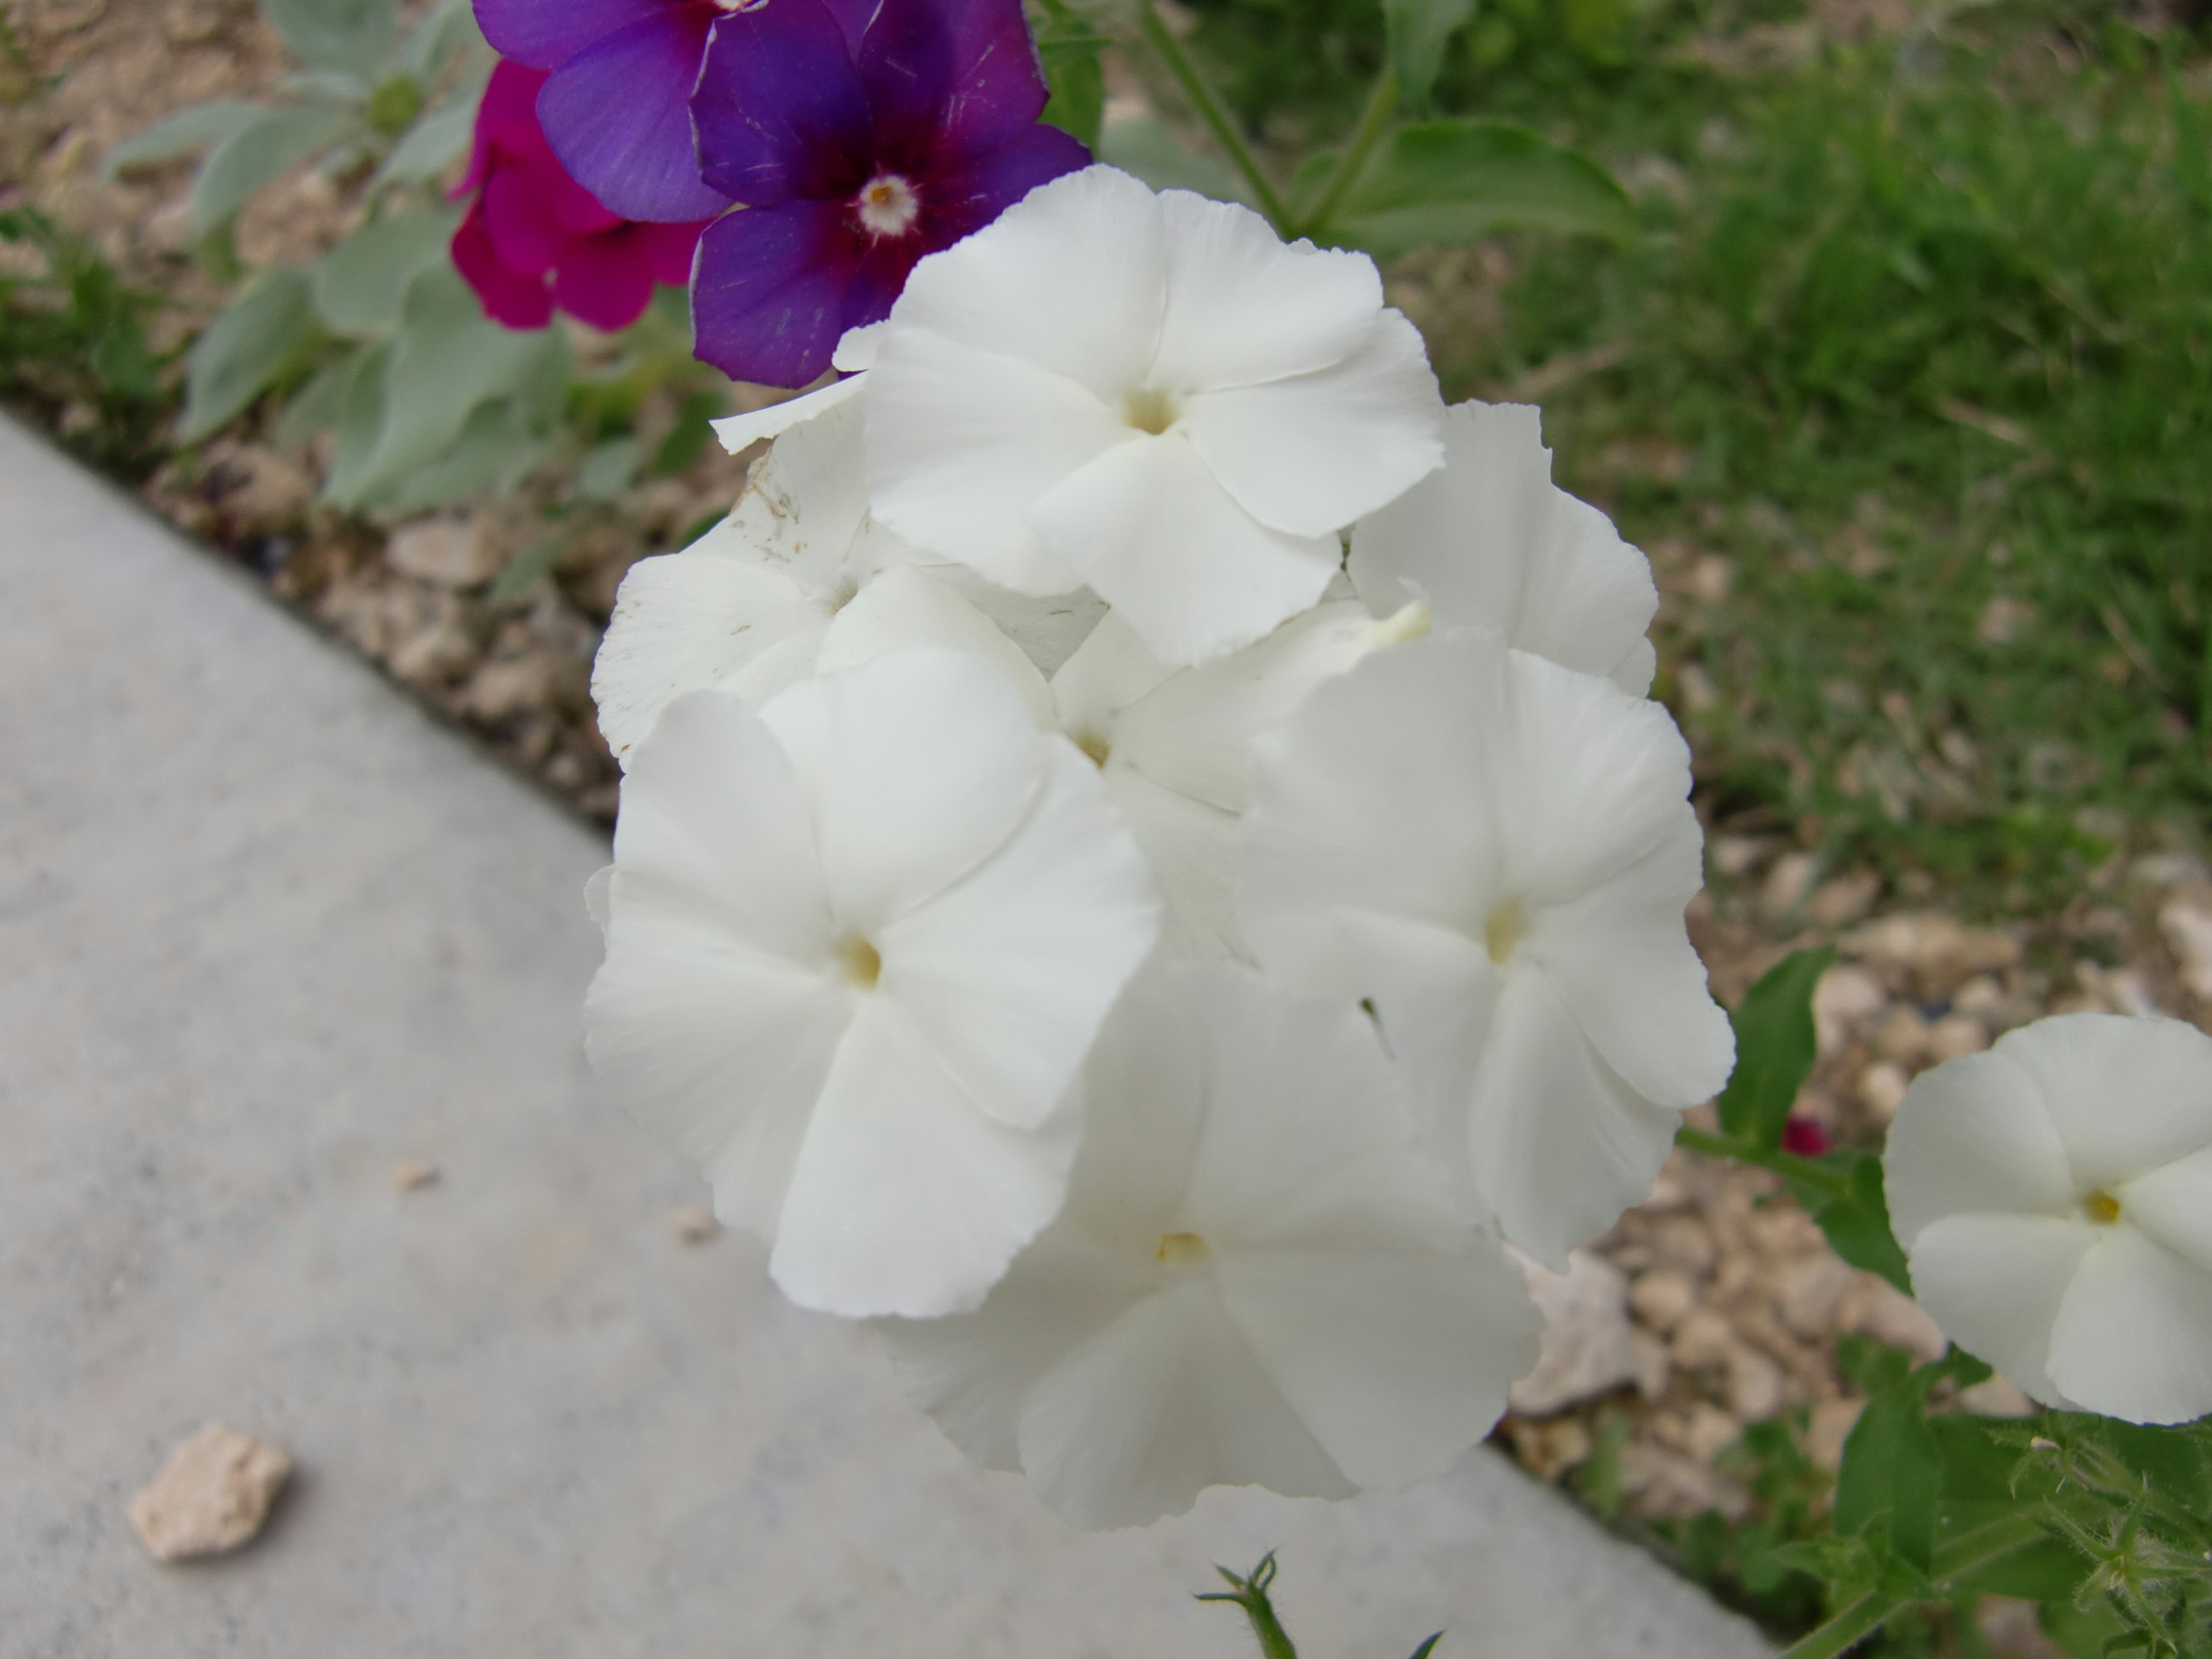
(535, 240)
(614, 105)
(1804, 1136)
(855, 155)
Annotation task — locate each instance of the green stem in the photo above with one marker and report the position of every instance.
(1210, 111)
(1847, 1629)
(1953, 1561)
(1787, 1164)
(1374, 121)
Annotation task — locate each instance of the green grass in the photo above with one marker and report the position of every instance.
(1926, 350)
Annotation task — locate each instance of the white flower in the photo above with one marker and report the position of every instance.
(768, 596)
(1172, 744)
(1149, 394)
(2054, 1196)
(858, 944)
(1494, 853)
(1492, 540)
(1254, 1280)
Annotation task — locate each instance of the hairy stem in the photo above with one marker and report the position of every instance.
(1210, 110)
(1847, 1629)
(1954, 1560)
(1374, 121)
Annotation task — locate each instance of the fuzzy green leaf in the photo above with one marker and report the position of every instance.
(1154, 154)
(360, 284)
(429, 147)
(352, 35)
(1857, 1223)
(1890, 1475)
(243, 350)
(183, 134)
(255, 154)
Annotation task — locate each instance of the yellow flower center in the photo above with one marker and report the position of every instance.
(887, 205)
(1507, 925)
(2101, 1207)
(1148, 409)
(1183, 1250)
(1096, 748)
(860, 961)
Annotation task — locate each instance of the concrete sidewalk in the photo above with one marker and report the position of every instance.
(266, 930)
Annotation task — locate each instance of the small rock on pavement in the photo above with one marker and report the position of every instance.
(409, 1176)
(213, 1495)
(1939, 949)
(1588, 1347)
(1844, 996)
(447, 552)
(1876, 1308)
(1882, 1089)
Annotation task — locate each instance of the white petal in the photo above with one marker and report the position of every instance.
(1151, 530)
(1243, 308)
(1193, 733)
(972, 1372)
(1558, 1145)
(740, 432)
(1622, 957)
(1374, 796)
(913, 607)
(599, 888)
(2174, 1206)
(1995, 1283)
(1105, 674)
(856, 348)
(1163, 1403)
(1072, 279)
(1590, 779)
(2133, 1337)
(713, 826)
(1489, 540)
(1971, 1137)
(1007, 975)
(2126, 1095)
(1397, 1361)
(1192, 849)
(1049, 628)
(714, 1018)
(804, 510)
(1309, 454)
(962, 444)
(905, 1199)
(704, 618)
(917, 766)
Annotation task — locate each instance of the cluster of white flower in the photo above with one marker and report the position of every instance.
(1145, 862)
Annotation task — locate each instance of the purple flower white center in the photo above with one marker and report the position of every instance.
(887, 205)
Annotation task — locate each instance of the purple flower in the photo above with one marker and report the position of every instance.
(534, 239)
(855, 157)
(615, 107)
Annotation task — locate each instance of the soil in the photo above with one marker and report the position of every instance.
(1714, 1305)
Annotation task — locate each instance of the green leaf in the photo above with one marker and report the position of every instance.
(427, 148)
(1077, 80)
(1153, 153)
(359, 425)
(1857, 1223)
(1446, 183)
(1429, 1646)
(243, 350)
(360, 284)
(1843, 1563)
(1775, 1047)
(255, 154)
(519, 573)
(610, 469)
(355, 35)
(183, 133)
(1418, 31)
(447, 358)
(449, 29)
(1890, 1475)
(687, 440)
(494, 450)
(314, 408)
